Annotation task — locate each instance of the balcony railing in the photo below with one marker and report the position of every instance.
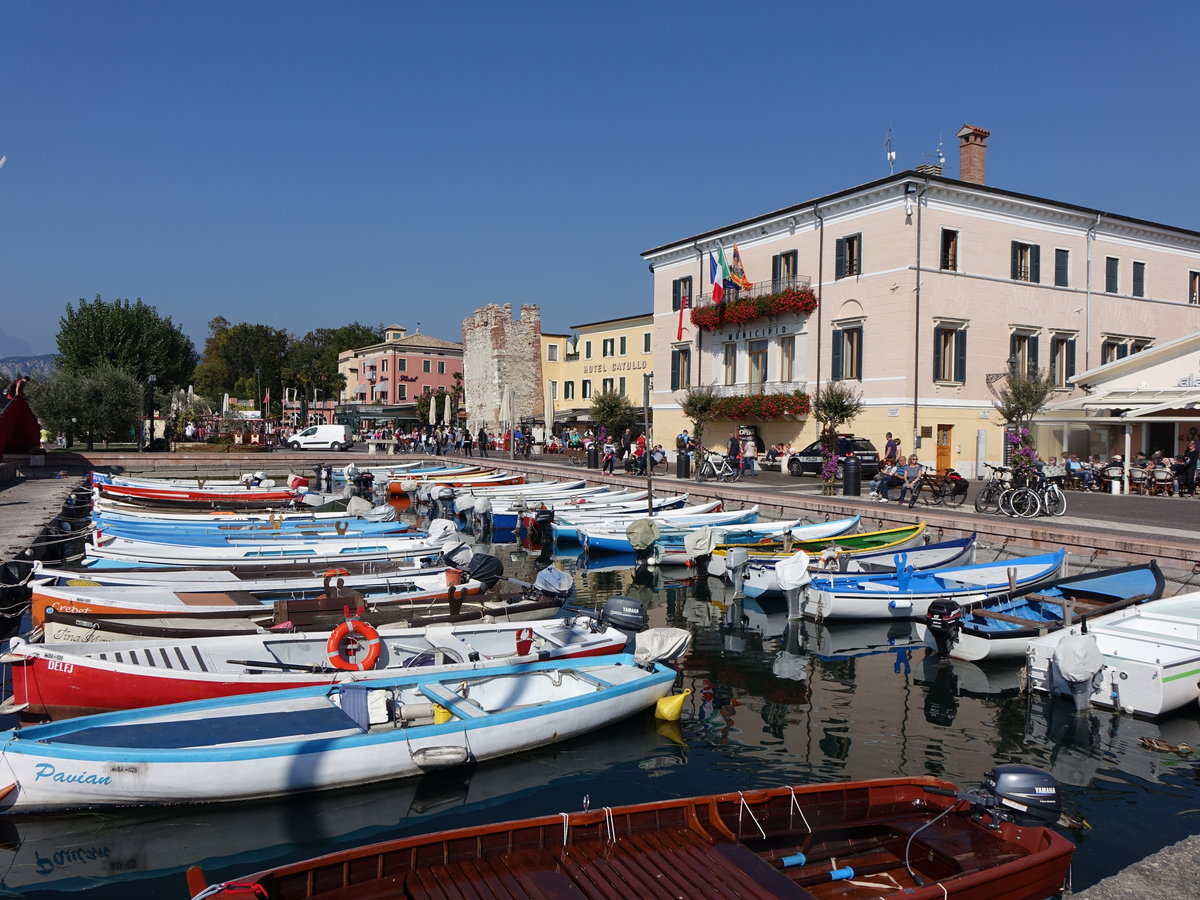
(752, 388)
(758, 289)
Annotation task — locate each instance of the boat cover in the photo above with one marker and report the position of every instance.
(642, 533)
(661, 644)
(553, 580)
(792, 572)
(1078, 657)
(700, 542)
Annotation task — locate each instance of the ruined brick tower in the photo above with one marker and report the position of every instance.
(498, 351)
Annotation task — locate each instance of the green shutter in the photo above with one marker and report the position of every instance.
(1012, 346)
(861, 268)
(937, 354)
(859, 356)
(675, 385)
(1033, 352)
(840, 259)
(1070, 369)
(960, 356)
(675, 286)
(1015, 270)
(836, 368)
(1139, 279)
(775, 271)
(1035, 263)
(1061, 261)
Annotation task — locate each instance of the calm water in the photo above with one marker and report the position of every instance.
(772, 702)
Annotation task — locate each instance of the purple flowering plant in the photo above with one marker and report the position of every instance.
(1024, 454)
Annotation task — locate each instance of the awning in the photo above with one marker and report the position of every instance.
(1130, 403)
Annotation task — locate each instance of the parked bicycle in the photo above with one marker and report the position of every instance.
(1042, 496)
(716, 466)
(575, 455)
(988, 498)
(939, 490)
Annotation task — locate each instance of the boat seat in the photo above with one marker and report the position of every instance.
(876, 586)
(456, 703)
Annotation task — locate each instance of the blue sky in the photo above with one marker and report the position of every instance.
(307, 164)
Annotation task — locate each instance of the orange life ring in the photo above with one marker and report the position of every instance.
(333, 646)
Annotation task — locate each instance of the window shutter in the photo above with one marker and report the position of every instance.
(1012, 346)
(937, 354)
(1139, 279)
(1016, 261)
(859, 243)
(1033, 352)
(776, 262)
(1070, 368)
(1122, 351)
(840, 259)
(675, 286)
(1061, 259)
(859, 355)
(1035, 263)
(675, 386)
(836, 368)
(960, 356)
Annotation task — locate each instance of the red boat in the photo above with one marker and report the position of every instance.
(207, 496)
(911, 838)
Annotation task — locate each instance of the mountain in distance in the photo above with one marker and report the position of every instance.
(36, 367)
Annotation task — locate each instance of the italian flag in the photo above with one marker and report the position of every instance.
(718, 274)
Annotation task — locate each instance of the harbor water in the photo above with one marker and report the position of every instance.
(772, 702)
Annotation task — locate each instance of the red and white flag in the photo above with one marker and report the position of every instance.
(684, 303)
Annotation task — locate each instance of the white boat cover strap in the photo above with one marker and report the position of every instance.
(1078, 657)
(661, 644)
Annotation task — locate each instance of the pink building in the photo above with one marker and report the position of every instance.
(384, 380)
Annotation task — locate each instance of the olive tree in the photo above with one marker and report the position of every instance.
(101, 403)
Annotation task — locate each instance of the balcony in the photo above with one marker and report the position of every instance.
(758, 289)
(752, 388)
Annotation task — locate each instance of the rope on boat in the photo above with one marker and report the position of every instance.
(800, 809)
(743, 805)
(566, 829)
(611, 823)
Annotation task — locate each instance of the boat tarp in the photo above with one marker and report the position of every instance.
(699, 542)
(642, 533)
(793, 572)
(1078, 657)
(661, 644)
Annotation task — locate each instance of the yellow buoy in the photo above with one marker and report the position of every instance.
(440, 714)
(670, 708)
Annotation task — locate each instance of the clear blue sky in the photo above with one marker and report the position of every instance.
(307, 164)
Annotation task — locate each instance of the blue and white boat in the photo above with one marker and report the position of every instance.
(761, 580)
(907, 593)
(308, 739)
(606, 539)
(1002, 625)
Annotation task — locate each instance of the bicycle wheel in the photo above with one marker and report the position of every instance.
(1004, 502)
(988, 498)
(953, 497)
(733, 474)
(1025, 503)
(1054, 501)
(705, 471)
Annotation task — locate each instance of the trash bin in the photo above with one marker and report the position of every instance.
(593, 456)
(683, 465)
(851, 476)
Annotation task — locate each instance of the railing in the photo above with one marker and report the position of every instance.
(757, 289)
(754, 389)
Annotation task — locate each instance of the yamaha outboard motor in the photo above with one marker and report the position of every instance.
(444, 497)
(944, 620)
(625, 613)
(1024, 795)
(543, 522)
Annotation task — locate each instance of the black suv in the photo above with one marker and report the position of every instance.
(808, 460)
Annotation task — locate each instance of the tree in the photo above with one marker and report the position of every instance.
(836, 404)
(311, 362)
(700, 404)
(129, 336)
(1024, 395)
(104, 403)
(615, 412)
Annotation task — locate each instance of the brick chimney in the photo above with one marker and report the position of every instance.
(972, 154)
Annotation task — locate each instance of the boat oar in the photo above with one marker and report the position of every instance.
(255, 664)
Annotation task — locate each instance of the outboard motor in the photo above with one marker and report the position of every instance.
(736, 559)
(444, 497)
(555, 584)
(944, 621)
(1080, 664)
(1024, 795)
(328, 472)
(483, 522)
(625, 613)
(486, 569)
(543, 522)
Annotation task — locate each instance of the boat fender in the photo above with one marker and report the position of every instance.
(843, 874)
(900, 604)
(333, 646)
(524, 641)
(796, 859)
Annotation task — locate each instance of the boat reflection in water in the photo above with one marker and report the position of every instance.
(73, 853)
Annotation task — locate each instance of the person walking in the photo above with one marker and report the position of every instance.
(749, 456)
(891, 449)
(483, 442)
(1187, 483)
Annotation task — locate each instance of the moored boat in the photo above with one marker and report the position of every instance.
(917, 838)
(1002, 624)
(317, 738)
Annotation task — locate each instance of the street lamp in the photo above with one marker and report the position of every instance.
(151, 380)
(648, 383)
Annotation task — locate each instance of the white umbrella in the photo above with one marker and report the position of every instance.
(506, 407)
(446, 412)
(433, 409)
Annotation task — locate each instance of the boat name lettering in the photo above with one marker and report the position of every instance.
(56, 665)
(47, 864)
(48, 770)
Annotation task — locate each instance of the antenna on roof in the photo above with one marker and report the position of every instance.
(891, 154)
(941, 157)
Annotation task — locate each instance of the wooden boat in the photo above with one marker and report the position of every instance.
(1143, 659)
(674, 547)
(893, 539)
(567, 522)
(168, 496)
(917, 838)
(317, 738)
(759, 577)
(215, 534)
(907, 594)
(249, 599)
(63, 680)
(1001, 625)
(603, 539)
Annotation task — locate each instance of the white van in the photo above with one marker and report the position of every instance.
(322, 437)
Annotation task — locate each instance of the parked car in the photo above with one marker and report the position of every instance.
(322, 437)
(808, 460)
